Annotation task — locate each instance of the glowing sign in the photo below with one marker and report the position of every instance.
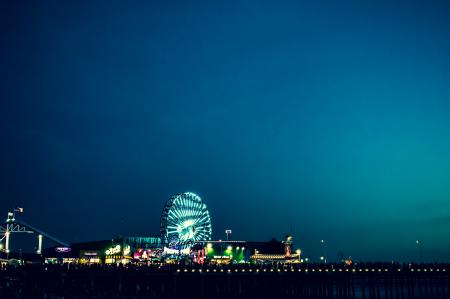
(62, 249)
(113, 250)
(127, 250)
(174, 251)
(90, 253)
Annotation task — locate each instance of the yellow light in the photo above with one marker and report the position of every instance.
(209, 246)
(229, 248)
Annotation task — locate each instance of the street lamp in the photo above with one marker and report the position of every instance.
(419, 248)
(228, 232)
(324, 251)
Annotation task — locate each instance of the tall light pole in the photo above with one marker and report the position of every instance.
(324, 251)
(419, 249)
(228, 232)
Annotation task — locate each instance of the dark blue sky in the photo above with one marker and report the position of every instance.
(328, 116)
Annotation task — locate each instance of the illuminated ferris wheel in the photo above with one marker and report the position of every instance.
(184, 220)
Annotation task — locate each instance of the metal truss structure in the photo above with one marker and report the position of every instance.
(13, 225)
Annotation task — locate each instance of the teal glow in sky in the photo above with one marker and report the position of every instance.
(330, 117)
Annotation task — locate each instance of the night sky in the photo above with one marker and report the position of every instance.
(330, 119)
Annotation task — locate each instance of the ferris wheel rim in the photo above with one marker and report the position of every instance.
(189, 207)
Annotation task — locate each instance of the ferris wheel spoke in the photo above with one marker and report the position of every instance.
(186, 220)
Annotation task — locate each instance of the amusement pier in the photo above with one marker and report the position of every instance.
(185, 261)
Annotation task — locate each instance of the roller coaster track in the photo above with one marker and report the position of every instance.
(13, 225)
